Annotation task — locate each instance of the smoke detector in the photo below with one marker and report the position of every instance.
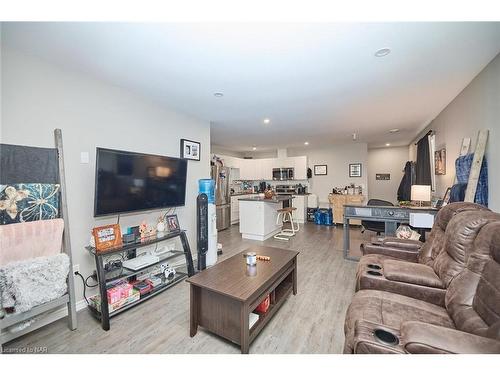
(382, 52)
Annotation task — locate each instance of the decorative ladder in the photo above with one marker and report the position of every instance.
(477, 161)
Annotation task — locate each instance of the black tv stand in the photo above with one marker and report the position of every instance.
(106, 277)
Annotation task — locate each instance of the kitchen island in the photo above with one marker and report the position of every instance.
(258, 216)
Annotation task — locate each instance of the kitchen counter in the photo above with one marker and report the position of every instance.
(237, 194)
(258, 215)
(275, 199)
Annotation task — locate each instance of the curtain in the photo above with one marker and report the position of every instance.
(423, 170)
(432, 151)
(404, 190)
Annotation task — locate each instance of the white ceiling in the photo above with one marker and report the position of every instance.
(316, 82)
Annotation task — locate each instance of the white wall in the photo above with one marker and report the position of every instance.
(38, 97)
(337, 158)
(476, 107)
(386, 160)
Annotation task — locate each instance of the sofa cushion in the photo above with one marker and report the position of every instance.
(473, 297)
(411, 273)
(391, 310)
(435, 241)
(460, 236)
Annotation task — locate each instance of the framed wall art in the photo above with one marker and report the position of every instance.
(190, 149)
(320, 170)
(440, 162)
(355, 170)
(383, 176)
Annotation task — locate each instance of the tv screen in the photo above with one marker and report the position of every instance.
(129, 181)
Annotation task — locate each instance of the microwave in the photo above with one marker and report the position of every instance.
(282, 174)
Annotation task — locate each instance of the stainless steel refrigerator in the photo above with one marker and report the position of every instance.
(222, 196)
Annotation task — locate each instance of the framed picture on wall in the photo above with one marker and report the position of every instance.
(383, 176)
(355, 170)
(320, 170)
(190, 149)
(440, 162)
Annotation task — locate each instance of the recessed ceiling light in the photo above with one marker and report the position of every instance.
(387, 144)
(382, 52)
(218, 94)
(306, 143)
(254, 148)
(267, 121)
(395, 130)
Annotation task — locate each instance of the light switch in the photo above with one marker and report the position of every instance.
(84, 157)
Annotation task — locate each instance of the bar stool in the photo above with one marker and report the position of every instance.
(284, 215)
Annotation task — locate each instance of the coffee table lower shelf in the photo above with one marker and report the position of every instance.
(229, 318)
(278, 297)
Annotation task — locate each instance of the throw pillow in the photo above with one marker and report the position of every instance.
(28, 202)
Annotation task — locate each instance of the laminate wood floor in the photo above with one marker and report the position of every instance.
(310, 322)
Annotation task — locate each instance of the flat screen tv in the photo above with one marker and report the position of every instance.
(129, 181)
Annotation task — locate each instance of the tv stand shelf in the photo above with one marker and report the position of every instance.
(107, 277)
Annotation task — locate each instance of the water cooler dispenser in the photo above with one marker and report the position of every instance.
(207, 220)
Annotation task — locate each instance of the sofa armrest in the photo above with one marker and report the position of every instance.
(424, 338)
(411, 273)
(401, 243)
(366, 342)
(409, 255)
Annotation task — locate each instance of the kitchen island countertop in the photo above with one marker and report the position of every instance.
(275, 199)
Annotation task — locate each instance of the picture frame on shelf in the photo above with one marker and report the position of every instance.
(107, 237)
(172, 223)
(320, 170)
(355, 170)
(190, 150)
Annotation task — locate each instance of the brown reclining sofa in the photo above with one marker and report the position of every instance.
(379, 321)
(428, 277)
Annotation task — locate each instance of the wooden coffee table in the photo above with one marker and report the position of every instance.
(223, 296)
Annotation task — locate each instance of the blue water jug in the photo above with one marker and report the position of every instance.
(207, 186)
(317, 217)
(328, 217)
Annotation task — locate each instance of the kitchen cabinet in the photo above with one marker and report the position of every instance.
(235, 209)
(262, 169)
(265, 169)
(300, 167)
(300, 203)
(247, 169)
(339, 200)
(229, 161)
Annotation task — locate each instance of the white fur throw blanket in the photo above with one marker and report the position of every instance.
(30, 283)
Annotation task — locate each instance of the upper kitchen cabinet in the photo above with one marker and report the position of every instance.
(265, 168)
(262, 169)
(300, 167)
(248, 169)
(229, 161)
